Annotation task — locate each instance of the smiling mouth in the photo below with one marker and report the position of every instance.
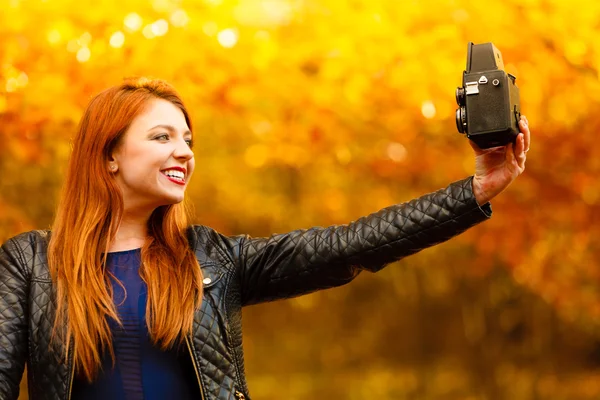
(174, 178)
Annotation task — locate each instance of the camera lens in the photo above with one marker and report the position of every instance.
(460, 96)
(461, 119)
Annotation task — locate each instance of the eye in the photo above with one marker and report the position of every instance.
(165, 136)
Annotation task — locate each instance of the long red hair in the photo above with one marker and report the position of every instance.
(87, 219)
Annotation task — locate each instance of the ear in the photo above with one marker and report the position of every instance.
(113, 159)
(112, 164)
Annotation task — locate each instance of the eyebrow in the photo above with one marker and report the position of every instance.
(170, 128)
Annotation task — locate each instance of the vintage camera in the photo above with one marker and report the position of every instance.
(489, 108)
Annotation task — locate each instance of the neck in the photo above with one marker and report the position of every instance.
(132, 231)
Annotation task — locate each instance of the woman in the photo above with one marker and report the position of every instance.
(122, 299)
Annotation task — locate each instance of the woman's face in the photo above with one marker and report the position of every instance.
(154, 159)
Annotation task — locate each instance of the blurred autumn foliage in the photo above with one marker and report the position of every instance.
(315, 112)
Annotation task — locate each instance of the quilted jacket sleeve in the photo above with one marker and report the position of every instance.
(13, 320)
(303, 261)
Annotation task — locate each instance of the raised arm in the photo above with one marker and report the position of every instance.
(304, 261)
(13, 320)
(307, 260)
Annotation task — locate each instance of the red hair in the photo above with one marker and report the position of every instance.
(87, 219)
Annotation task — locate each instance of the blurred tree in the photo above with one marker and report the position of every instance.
(315, 112)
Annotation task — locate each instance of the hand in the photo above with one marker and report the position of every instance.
(497, 167)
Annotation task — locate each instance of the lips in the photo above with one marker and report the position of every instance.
(177, 175)
(180, 169)
(174, 180)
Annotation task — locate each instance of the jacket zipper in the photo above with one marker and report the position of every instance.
(189, 346)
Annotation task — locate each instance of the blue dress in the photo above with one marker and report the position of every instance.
(141, 370)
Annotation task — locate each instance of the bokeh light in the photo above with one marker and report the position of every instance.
(315, 113)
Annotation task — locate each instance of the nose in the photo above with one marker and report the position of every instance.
(183, 151)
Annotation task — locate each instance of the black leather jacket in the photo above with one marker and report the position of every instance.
(241, 271)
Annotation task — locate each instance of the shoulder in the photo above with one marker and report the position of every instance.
(27, 240)
(25, 250)
(211, 246)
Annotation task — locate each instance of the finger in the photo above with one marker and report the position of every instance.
(519, 152)
(524, 128)
(519, 144)
(510, 153)
(515, 155)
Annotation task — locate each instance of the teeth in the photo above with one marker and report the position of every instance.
(174, 174)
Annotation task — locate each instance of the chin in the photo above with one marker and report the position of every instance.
(176, 200)
(166, 200)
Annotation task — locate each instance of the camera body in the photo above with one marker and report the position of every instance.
(489, 105)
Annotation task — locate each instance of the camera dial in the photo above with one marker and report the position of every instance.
(460, 96)
(461, 119)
